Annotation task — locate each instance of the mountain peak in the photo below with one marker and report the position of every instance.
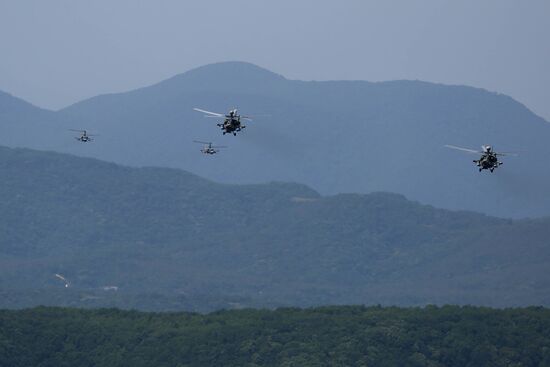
(233, 67)
(225, 74)
(10, 102)
(16, 109)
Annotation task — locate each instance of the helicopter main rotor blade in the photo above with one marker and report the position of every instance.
(80, 131)
(201, 142)
(511, 154)
(209, 112)
(260, 115)
(59, 276)
(463, 149)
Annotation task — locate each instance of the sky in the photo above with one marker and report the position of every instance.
(57, 52)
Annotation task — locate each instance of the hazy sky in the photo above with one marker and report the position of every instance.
(54, 53)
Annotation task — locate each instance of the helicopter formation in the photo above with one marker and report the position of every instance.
(231, 124)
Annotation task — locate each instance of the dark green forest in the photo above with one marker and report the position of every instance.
(326, 336)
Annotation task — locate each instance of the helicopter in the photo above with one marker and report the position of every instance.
(231, 123)
(84, 136)
(208, 147)
(489, 158)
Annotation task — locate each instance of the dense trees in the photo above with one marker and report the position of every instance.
(335, 336)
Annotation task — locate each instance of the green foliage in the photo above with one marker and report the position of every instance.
(327, 336)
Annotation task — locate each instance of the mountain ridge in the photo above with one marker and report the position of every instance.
(212, 72)
(170, 240)
(247, 66)
(348, 136)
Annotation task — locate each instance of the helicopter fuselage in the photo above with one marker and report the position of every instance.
(231, 124)
(488, 161)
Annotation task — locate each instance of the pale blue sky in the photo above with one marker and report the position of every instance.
(56, 52)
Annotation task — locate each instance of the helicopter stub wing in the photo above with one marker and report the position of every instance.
(212, 114)
(463, 149)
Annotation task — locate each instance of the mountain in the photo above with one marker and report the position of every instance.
(21, 122)
(336, 137)
(167, 239)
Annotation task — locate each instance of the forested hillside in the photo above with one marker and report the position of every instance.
(329, 336)
(164, 239)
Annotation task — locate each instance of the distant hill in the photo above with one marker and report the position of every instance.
(25, 125)
(171, 240)
(21, 123)
(328, 336)
(336, 137)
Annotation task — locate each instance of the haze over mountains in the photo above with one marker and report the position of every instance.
(171, 240)
(336, 137)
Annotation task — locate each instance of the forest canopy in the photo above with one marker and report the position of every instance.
(335, 336)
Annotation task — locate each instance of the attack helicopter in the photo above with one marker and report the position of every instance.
(84, 136)
(231, 123)
(208, 147)
(489, 158)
